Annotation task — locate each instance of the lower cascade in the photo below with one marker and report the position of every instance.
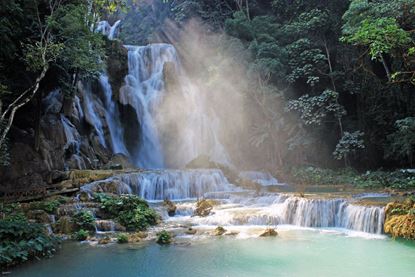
(240, 207)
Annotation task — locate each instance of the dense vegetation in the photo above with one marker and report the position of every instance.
(340, 74)
(21, 240)
(342, 71)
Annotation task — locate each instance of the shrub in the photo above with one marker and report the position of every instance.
(21, 241)
(48, 206)
(131, 211)
(122, 238)
(84, 220)
(164, 237)
(80, 235)
(11, 212)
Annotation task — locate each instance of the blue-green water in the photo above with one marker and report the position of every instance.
(293, 253)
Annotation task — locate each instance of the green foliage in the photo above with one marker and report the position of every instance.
(402, 141)
(12, 212)
(80, 235)
(122, 238)
(349, 144)
(131, 211)
(381, 36)
(164, 237)
(314, 109)
(48, 206)
(84, 220)
(21, 241)
(374, 179)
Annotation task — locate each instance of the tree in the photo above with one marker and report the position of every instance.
(38, 55)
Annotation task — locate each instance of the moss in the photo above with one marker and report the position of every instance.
(164, 237)
(400, 219)
(204, 206)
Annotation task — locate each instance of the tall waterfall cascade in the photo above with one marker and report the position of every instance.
(177, 126)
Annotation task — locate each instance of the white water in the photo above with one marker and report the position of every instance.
(107, 30)
(240, 207)
(170, 184)
(262, 178)
(143, 90)
(195, 128)
(112, 117)
(92, 108)
(72, 140)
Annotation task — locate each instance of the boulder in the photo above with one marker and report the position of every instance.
(104, 240)
(269, 232)
(64, 225)
(119, 161)
(204, 207)
(219, 231)
(39, 216)
(171, 207)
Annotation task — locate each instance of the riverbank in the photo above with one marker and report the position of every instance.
(108, 209)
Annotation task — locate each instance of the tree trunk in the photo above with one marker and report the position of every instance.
(37, 120)
(385, 66)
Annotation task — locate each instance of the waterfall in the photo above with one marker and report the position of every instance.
(112, 117)
(332, 213)
(107, 30)
(92, 108)
(73, 140)
(143, 91)
(176, 125)
(262, 178)
(171, 184)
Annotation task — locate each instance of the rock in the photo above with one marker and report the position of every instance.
(53, 102)
(269, 232)
(83, 196)
(204, 207)
(64, 225)
(219, 231)
(119, 161)
(104, 240)
(119, 228)
(137, 237)
(39, 216)
(105, 225)
(190, 231)
(400, 219)
(57, 176)
(171, 207)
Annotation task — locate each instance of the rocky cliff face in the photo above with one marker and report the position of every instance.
(78, 140)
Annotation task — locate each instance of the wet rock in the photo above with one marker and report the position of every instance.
(231, 233)
(269, 232)
(219, 231)
(171, 207)
(400, 219)
(204, 207)
(119, 228)
(190, 231)
(39, 216)
(105, 225)
(83, 196)
(104, 240)
(137, 237)
(64, 225)
(118, 162)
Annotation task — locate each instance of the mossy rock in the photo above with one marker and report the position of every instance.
(64, 225)
(204, 207)
(400, 219)
(219, 231)
(269, 232)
